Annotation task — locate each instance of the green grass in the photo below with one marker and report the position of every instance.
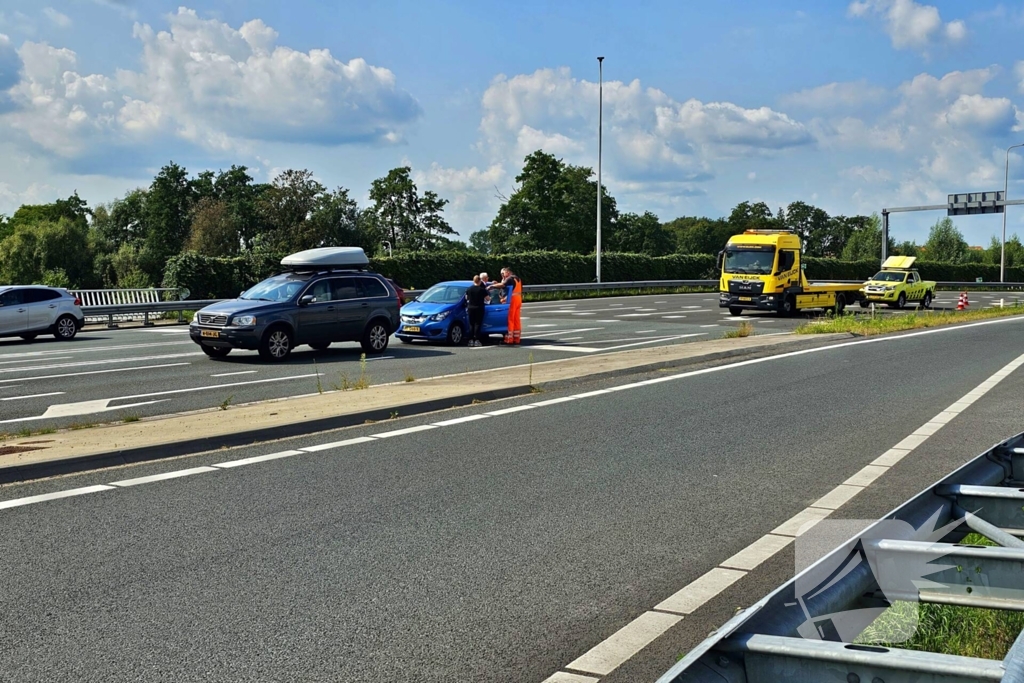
(130, 418)
(865, 325)
(948, 629)
(744, 330)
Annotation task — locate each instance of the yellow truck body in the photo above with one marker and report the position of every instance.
(762, 270)
(897, 284)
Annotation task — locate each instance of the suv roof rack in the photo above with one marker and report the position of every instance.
(327, 259)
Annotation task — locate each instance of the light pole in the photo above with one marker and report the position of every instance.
(1006, 190)
(388, 245)
(600, 122)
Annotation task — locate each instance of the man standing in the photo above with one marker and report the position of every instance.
(513, 287)
(476, 297)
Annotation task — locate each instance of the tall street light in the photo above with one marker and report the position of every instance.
(1006, 189)
(600, 122)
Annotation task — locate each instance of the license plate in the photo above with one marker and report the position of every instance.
(411, 328)
(209, 333)
(746, 298)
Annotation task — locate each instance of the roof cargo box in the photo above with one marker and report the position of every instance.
(327, 258)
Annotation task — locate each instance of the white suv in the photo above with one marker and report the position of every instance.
(30, 310)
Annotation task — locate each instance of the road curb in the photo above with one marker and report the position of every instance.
(114, 458)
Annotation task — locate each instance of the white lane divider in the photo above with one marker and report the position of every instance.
(232, 374)
(259, 458)
(19, 398)
(93, 372)
(106, 361)
(569, 331)
(29, 500)
(48, 355)
(176, 474)
(32, 360)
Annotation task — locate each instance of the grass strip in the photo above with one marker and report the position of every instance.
(864, 324)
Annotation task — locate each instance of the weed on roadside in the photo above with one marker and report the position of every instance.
(21, 433)
(319, 384)
(872, 324)
(130, 418)
(75, 426)
(744, 330)
(476, 401)
(409, 377)
(226, 402)
(394, 415)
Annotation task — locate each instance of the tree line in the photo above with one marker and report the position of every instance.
(129, 241)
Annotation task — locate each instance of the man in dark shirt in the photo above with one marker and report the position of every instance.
(476, 297)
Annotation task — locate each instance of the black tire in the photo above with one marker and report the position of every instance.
(276, 344)
(735, 310)
(65, 328)
(787, 309)
(28, 337)
(215, 351)
(864, 303)
(456, 334)
(319, 346)
(901, 300)
(926, 302)
(375, 337)
(840, 304)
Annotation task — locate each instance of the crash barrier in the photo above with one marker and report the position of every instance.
(114, 305)
(810, 629)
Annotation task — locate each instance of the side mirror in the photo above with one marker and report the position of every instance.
(306, 300)
(721, 256)
(241, 294)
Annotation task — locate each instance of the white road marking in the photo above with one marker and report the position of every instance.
(565, 339)
(93, 349)
(607, 655)
(584, 313)
(402, 432)
(32, 360)
(162, 476)
(837, 497)
(18, 398)
(569, 331)
(608, 321)
(634, 315)
(28, 500)
(673, 317)
(337, 444)
(380, 358)
(460, 420)
(107, 361)
(507, 411)
(565, 677)
(757, 552)
(866, 475)
(543, 325)
(232, 374)
(698, 592)
(568, 347)
(645, 331)
(710, 325)
(259, 458)
(801, 522)
(93, 372)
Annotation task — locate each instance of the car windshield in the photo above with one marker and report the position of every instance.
(278, 288)
(749, 261)
(443, 294)
(889, 276)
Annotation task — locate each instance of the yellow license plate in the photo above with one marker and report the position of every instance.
(209, 333)
(746, 298)
(411, 328)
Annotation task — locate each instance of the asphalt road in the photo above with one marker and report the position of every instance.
(107, 375)
(496, 548)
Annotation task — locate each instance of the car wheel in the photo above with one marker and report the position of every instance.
(215, 351)
(788, 307)
(456, 335)
(319, 346)
(28, 337)
(926, 302)
(735, 310)
(65, 328)
(375, 337)
(276, 344)
(840, 304)
(901, 301)
(864, 303)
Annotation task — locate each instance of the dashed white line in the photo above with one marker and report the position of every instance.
(256, 459)
(609, 654)
(232, 374)
(162, 476)
(337, 444)
(695, 594)
(645, 331)
(19, 398)
(29, 500)
(93, 372)
(402, 432)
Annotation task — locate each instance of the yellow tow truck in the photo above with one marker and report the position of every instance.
(897, 283)
(761, 270)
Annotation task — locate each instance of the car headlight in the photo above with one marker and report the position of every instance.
(890, 288)
(244, 320)
(195, 318)
(440, 316)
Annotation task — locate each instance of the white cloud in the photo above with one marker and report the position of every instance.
(17, 23)
(835, 96)
(59, 20)
(1018, 69)
(866, 174)
(210, 84)
(990, 115)
(752, 175)
(910, 25)
(469, 189)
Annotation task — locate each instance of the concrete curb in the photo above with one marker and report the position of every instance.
(123, 456)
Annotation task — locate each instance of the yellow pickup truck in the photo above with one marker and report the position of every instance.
(761, 270)
(896, 284)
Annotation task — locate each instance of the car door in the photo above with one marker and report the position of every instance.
(43, 307)
(495, 315)
(378, 299)
(317, 319)
(353, 308)
(13, 313)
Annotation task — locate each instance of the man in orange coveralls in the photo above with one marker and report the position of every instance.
(513, 287)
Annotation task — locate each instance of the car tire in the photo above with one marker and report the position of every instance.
(788, 307)
(735, 311)
(901, 300)
(276, 344)
(215, 351)
(864, 303)
(456, 334)
(926, 302)
(319, 346)
(28, 337)
(65, 328)
(375, 337)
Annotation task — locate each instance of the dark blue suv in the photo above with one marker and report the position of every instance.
(314, 307)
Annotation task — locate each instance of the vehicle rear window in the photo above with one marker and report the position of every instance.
(372, 287)
(31, 296)
(12, 297)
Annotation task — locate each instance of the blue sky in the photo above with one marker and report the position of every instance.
(852, 106)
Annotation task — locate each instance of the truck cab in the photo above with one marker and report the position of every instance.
(897, 283)
(762, 270)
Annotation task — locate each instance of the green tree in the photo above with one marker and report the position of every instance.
(747, 216)
(640, 234)
(213, 231)
(403, 217)
(166, 218)
(122, 221)
(554, 207)
(695, 235)
(284, 209)
(945, 243)
(481, 241)
(865, 244)
(73, 209)
(906, 248)
(47, 252)
(5, 227)
(1014, 251)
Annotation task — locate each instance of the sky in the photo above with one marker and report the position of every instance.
(850, 106)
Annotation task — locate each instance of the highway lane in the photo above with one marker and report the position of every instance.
(109, 375)
(493, 548)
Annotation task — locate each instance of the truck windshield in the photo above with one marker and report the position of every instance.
(278, 288)
(889, 276)
(749, 261)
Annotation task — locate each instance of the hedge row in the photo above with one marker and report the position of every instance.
(211, 278)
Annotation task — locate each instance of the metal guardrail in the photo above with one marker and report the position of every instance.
(143, 310)
(793, 634)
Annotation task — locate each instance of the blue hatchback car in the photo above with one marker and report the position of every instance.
(439, 314)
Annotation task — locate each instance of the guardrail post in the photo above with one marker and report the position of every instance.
(145, 320)
(180, 318)
(111, 325)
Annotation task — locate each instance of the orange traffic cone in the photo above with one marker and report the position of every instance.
(966, 301)
(961, 302)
